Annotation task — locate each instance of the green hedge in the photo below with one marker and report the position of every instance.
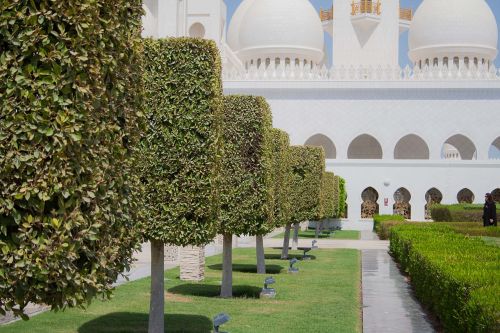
(308, 165)
(457, 277)
(181, 147)
(247, 174)
(70, 96)
(342, 208)
(282, 176)
(328, 195)
(458, 213)
(383, 223)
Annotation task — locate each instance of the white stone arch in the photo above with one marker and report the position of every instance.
(496, 195)
(402, 206)
(411, 147)
(320, 140)
(494, 151)
(465, 196)
(432, 196)
(366, 147)
(197, 30)
(369, 205)
(459, 147)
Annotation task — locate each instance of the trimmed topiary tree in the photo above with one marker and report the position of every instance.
(308, 165)
(247, 200)
(327, 200)
(70, 96)
(342, 208)
(180, 151)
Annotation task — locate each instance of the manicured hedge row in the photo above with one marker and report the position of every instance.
(458, 213)
(282, 176)
(308, 165)
(247, 174)
(70, 100)
(328, 195)
(457, 277)
(181, 148)
(383, 223)
(341, 208)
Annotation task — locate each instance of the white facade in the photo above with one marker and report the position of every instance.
(392, 133)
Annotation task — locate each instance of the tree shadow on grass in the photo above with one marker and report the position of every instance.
(275, 256)
(210, 290)
(245, 268)
(128, 322)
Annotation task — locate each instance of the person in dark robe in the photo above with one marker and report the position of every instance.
(489, 211)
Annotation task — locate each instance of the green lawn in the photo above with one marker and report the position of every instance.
(323, 297)
(340, 234)
(491, 240)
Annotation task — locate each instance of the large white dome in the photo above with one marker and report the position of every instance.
(453, 28)
(261, 29)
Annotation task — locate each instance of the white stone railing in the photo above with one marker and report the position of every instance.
(361, 73)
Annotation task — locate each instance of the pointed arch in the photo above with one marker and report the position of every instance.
(411, 147)
(432, 197)
(402, 205)
(459, 147)
(494, 152)
(370, 206)
(465, 196)
(320, 140)
(365, 146)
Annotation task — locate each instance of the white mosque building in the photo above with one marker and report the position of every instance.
(401, 137)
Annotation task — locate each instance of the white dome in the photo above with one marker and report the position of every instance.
(453, 28)
(276, 28)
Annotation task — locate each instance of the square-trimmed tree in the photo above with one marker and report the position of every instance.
(180, 151)
(308, 165)
(247, 175)
(328, 193)
(70, 102)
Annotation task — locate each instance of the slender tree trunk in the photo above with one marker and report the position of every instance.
(157, 301)
(286, 241)
(226, 290)
(317, 230)
(295, 242)
(261, 260)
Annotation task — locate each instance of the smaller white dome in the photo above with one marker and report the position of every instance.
(276, 28)
(458, 28)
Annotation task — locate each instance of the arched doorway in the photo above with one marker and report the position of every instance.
(369, 207)
(496, 195)
(320, 140)
(494, 152)
(459, 147)
(402, 205)
(465, 196)
(365, 147)
(411, 147)
(197, 30)
(433, 196)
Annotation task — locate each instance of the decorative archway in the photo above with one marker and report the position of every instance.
(197, 30)
(459, 147)
(320, 140)
(369, 207)
(433, 196)
(365, 147)
(465, 196)
(496, 195)
(411, 147)
(494, 152)
(402, 205)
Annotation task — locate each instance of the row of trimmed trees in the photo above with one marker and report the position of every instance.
(106, 141)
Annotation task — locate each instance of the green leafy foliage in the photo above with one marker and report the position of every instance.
(282, 176)
(382, 224)
(181, 148)
(328, 195)
(341, 208)
(458, 213)
(308, 166)
(247, 168)
(70, 96)
(457, 277)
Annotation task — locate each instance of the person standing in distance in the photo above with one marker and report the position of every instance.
(489, 211)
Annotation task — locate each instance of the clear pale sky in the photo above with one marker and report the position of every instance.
(403, 57)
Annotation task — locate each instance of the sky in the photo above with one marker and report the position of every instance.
(403, 56)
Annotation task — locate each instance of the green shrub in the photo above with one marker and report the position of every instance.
(457, 277)
(70, 96)
(457, 213)
(180, 157)
(328, 195)
(282, 174)
(474, 229)
(383, 223)
(308, 165)
(341, 209)
(247, 174)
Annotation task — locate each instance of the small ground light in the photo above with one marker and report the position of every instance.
(266, 291)
(292, 269)
(314, 246)
(219, 320)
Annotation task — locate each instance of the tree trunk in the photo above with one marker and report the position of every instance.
(226, 290)
(157, 301)
(261, 260)
(286, 241)
(295, 242)
(317, 230)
